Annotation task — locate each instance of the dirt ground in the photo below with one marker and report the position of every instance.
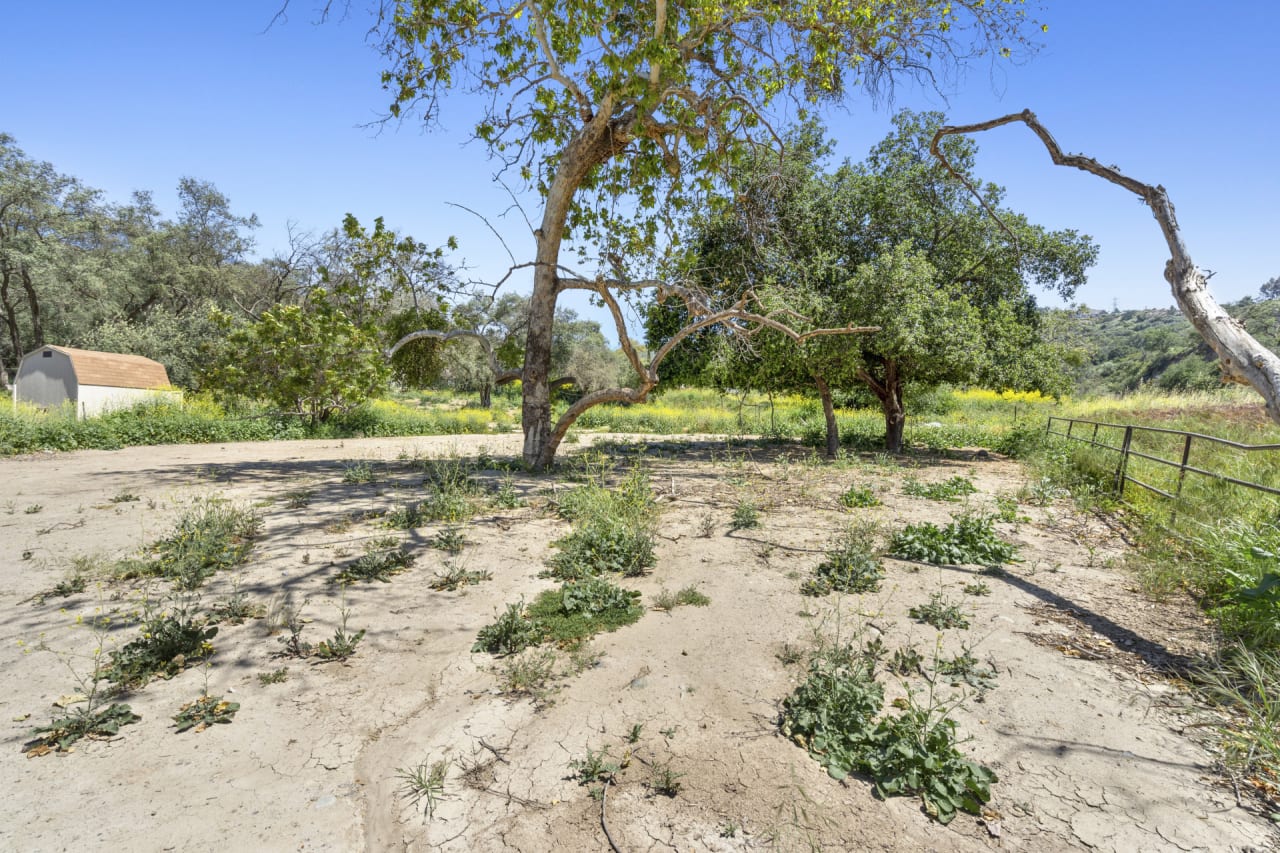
(1094, 743)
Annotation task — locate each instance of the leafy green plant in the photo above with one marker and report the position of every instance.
(32, 509)
(947, 490)
(450, 540)
(405, 517)
(859, 496)
(940, 613)
(455, 577)
(506, 496)
(666, 781)
(124, 497)
(850, 567)
(210, 536)
(667, 600)
(613, 530)
(968, 539)
(341, 645)
(380, 563)
(833, 715)
(580, 609)
(528, 673)
(168, 643)
(298, 499)
(746, 515)
(424, 785)
(964, 668)
(977, 588)
(359, 472)
(597, 767)
(61, 734)
(205, 711)
(905, 661)
(509, 633)
(275, 676)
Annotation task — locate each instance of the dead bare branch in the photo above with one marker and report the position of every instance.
(1241, 357)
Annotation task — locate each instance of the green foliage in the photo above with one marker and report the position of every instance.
(597, 767)
(423, 785)
(940, 613)
(905, 661)
(667, 600)
(851, 567)
(275, 676)
(205, 711)
(62, 733)
(613, 530)
(965, 669)
(859, 496)
(746, 515)
(509, 634)
(313, 359)
(580, 609)
(968, 539)
(456, 577)
(167, 643)
(380, 562)
(833, 715)
(947, 490)
(341, 645)
(210, 536)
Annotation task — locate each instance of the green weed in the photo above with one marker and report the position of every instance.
(948, 490)
(203, 712)
(859, 496)
(968, 539)
(940, 613)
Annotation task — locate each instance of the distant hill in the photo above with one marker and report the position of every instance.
(1125, 350)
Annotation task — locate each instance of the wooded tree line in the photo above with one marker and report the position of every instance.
(305, 327)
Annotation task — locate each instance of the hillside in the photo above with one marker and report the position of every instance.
(1124, 350)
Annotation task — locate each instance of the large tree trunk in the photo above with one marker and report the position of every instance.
(895, 418)
(486, 396)
(595, 143)
(10, 314)
(33, 304)
(829, 413)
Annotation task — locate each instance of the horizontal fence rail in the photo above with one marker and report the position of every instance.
(1086, 432)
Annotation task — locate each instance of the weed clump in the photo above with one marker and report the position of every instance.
(947, 490)
(383, 560)
(940, 613)
(169, 643)
(833, 715)
(613, 530)
(859, 496)
(211, 536)
(968, 539)
(850, 567)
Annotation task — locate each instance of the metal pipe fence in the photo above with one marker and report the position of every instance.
(1119, 438)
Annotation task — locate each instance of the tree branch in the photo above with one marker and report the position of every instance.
(500, 375)
(1242, 358)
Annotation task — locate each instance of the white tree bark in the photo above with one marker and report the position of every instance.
(1240, 356)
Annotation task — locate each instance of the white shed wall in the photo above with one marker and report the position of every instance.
(98, 399)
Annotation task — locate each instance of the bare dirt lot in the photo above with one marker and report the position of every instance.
(1090, 738)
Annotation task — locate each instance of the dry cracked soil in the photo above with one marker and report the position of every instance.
(1096, 745)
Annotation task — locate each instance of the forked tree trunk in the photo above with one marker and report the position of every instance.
(829, 413)
(895, 418)
(1240, 356)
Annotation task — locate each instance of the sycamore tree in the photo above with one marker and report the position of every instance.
(621, 115)
(896, 242)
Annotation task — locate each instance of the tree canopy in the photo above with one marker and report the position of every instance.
(622, 115)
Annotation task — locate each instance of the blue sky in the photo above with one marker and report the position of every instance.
(136, 95)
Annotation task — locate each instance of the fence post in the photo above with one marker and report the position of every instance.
(1182, 475)
(1122, 468)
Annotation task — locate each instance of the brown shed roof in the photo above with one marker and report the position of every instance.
(114, 369)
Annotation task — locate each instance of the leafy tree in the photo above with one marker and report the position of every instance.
(622, 115)
(313, 359)
(896, 242)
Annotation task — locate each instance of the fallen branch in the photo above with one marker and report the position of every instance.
(1241, 357)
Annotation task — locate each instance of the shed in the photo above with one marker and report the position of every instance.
(91, 382)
